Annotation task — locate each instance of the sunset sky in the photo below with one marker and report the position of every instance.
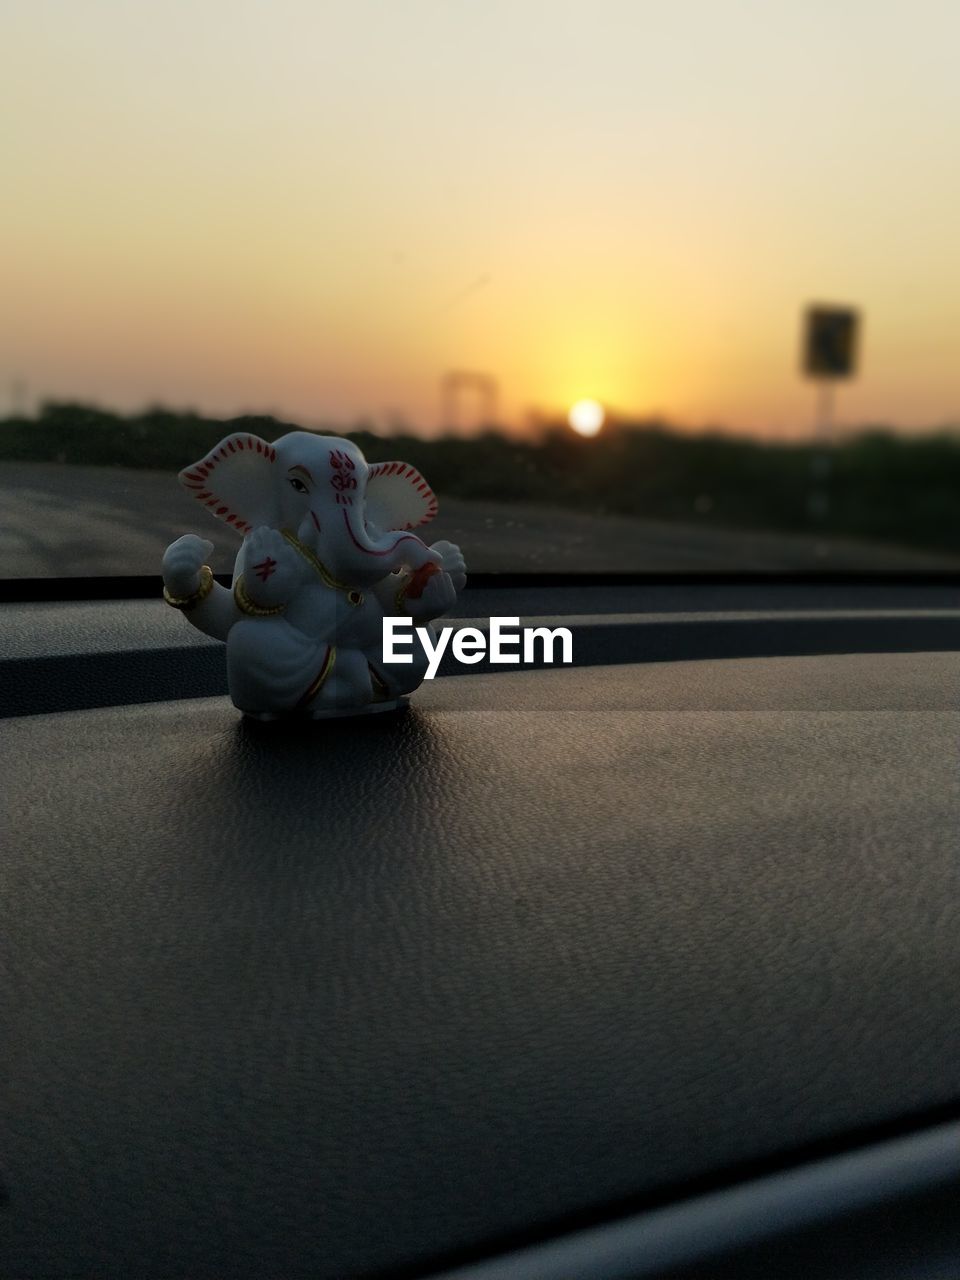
(316, 208)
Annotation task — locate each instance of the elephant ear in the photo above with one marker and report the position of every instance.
(237, 482)
(398, 497)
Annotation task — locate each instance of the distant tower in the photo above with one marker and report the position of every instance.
(18, 398)
(459, 383)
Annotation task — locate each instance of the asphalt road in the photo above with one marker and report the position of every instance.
(70, 521)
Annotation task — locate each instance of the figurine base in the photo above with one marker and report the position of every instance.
(331, 713)
(335, 713)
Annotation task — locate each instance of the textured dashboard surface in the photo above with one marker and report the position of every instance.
(73, 655)
(396, 990)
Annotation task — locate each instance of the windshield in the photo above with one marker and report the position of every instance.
(636, 287)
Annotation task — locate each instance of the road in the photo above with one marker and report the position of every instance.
(70, 521)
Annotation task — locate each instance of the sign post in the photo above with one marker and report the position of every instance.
(831, 339)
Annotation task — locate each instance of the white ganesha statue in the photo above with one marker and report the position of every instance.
(327, 553)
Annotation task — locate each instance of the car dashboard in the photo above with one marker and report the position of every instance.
(642, 966)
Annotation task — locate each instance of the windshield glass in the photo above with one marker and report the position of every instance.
(636, 286)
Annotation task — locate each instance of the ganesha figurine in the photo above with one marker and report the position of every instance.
(327, 554)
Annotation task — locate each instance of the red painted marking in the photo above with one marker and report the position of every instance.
(240, 444)
(418, 581)
(201, 496)
(259, 447)
(342, 460)
(316, 522)
(221, 511)
(231, 446)
(231, 518)
(264, 569)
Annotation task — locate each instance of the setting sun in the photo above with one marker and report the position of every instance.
(422, 231)
(586, 417)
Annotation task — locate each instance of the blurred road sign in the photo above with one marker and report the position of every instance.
(830, 345)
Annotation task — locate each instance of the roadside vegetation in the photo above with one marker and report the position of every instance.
(875, 484)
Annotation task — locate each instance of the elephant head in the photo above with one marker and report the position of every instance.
(354, 516)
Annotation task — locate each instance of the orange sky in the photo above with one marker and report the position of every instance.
(316, 208)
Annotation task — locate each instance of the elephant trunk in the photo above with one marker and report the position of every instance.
(363, 559)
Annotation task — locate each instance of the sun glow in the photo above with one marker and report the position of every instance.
(586, 417)
(668, 279)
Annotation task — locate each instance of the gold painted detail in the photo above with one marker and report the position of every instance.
(191, 601)
(247, 606)
(380, 690)
(325, 669)
(314, 560)
(355, 597)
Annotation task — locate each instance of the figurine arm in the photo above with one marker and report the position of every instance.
(188, 585)
(452, 562)
(269, 572)
(429, 592)
(436, 598)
